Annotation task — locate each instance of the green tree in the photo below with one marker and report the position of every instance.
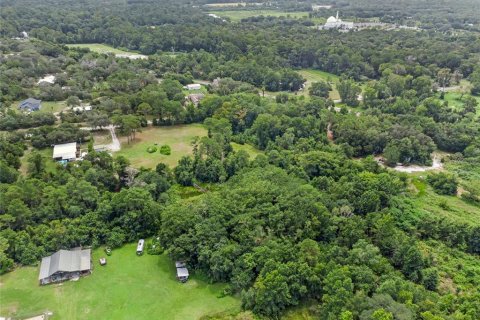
(320, 89)
(73, 101)
(443, 183)
(349, 91)
(7, 174)
(469, 105)
(443, 77)
(36, 164)
(382, 314)
(430, 278)
(184, 171)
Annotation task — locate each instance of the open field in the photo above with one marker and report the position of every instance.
(53, 106)
(454, 101)
(251, 150)
(179, 138)
(431, 203)
(47, 106)
(104, 49)
(50, 165)
(237, 15)
(98, 47)
(311, 75)
(316, 75)
(225, 4)
(128, 287)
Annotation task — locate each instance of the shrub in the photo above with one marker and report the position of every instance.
(443, 183)
(154, 247)
(166, 150)
(152, 149)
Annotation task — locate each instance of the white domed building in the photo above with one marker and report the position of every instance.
(337, 23)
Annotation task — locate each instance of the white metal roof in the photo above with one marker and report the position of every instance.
(194, 86)
(182, 272)
(140, 245)
(65, 151)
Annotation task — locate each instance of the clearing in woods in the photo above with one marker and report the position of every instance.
(104, 49)
(128, 287)
(312, 75)
(237, 15)
(178, 137)
(251, 150)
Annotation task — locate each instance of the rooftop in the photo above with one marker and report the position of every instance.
(65, 151)
(65, 261)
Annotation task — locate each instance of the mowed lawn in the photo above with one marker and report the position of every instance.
(47, 153)
(251, 150)
(179, 138)
(312, 75)
(99, 48)
(237, 15)
(129, 287)
(455, 100)
(47, 106)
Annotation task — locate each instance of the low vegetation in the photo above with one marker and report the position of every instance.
(284, 207)
(178, 138)
(143, 286)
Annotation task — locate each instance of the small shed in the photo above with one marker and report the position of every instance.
(193, 86)
(140, 245)
(182, 271)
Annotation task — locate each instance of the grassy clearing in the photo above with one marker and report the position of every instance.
(53, 106)
(454, 100)
(237, 15)
(450, 207)
(251, 150)
(101, 137)
(179, 138)
(50, 165)
(99, 48)
(47, 106)
(226, 4)
(129, 287)
(312, 75)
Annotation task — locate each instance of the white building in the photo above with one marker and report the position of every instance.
(66, 151)
(82, 108)
(193, 86)
(337, 23)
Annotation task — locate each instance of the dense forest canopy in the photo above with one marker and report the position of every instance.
(317, 216)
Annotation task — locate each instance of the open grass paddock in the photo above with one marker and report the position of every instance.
(128, 287)
(47, 106)
(431, 203)
(251, 150)
(99, 48)
(179, 138)
(312, 75)
(237, 15)
(455, 100)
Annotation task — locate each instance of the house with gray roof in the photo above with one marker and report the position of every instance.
(65, 265)
(30, 105)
